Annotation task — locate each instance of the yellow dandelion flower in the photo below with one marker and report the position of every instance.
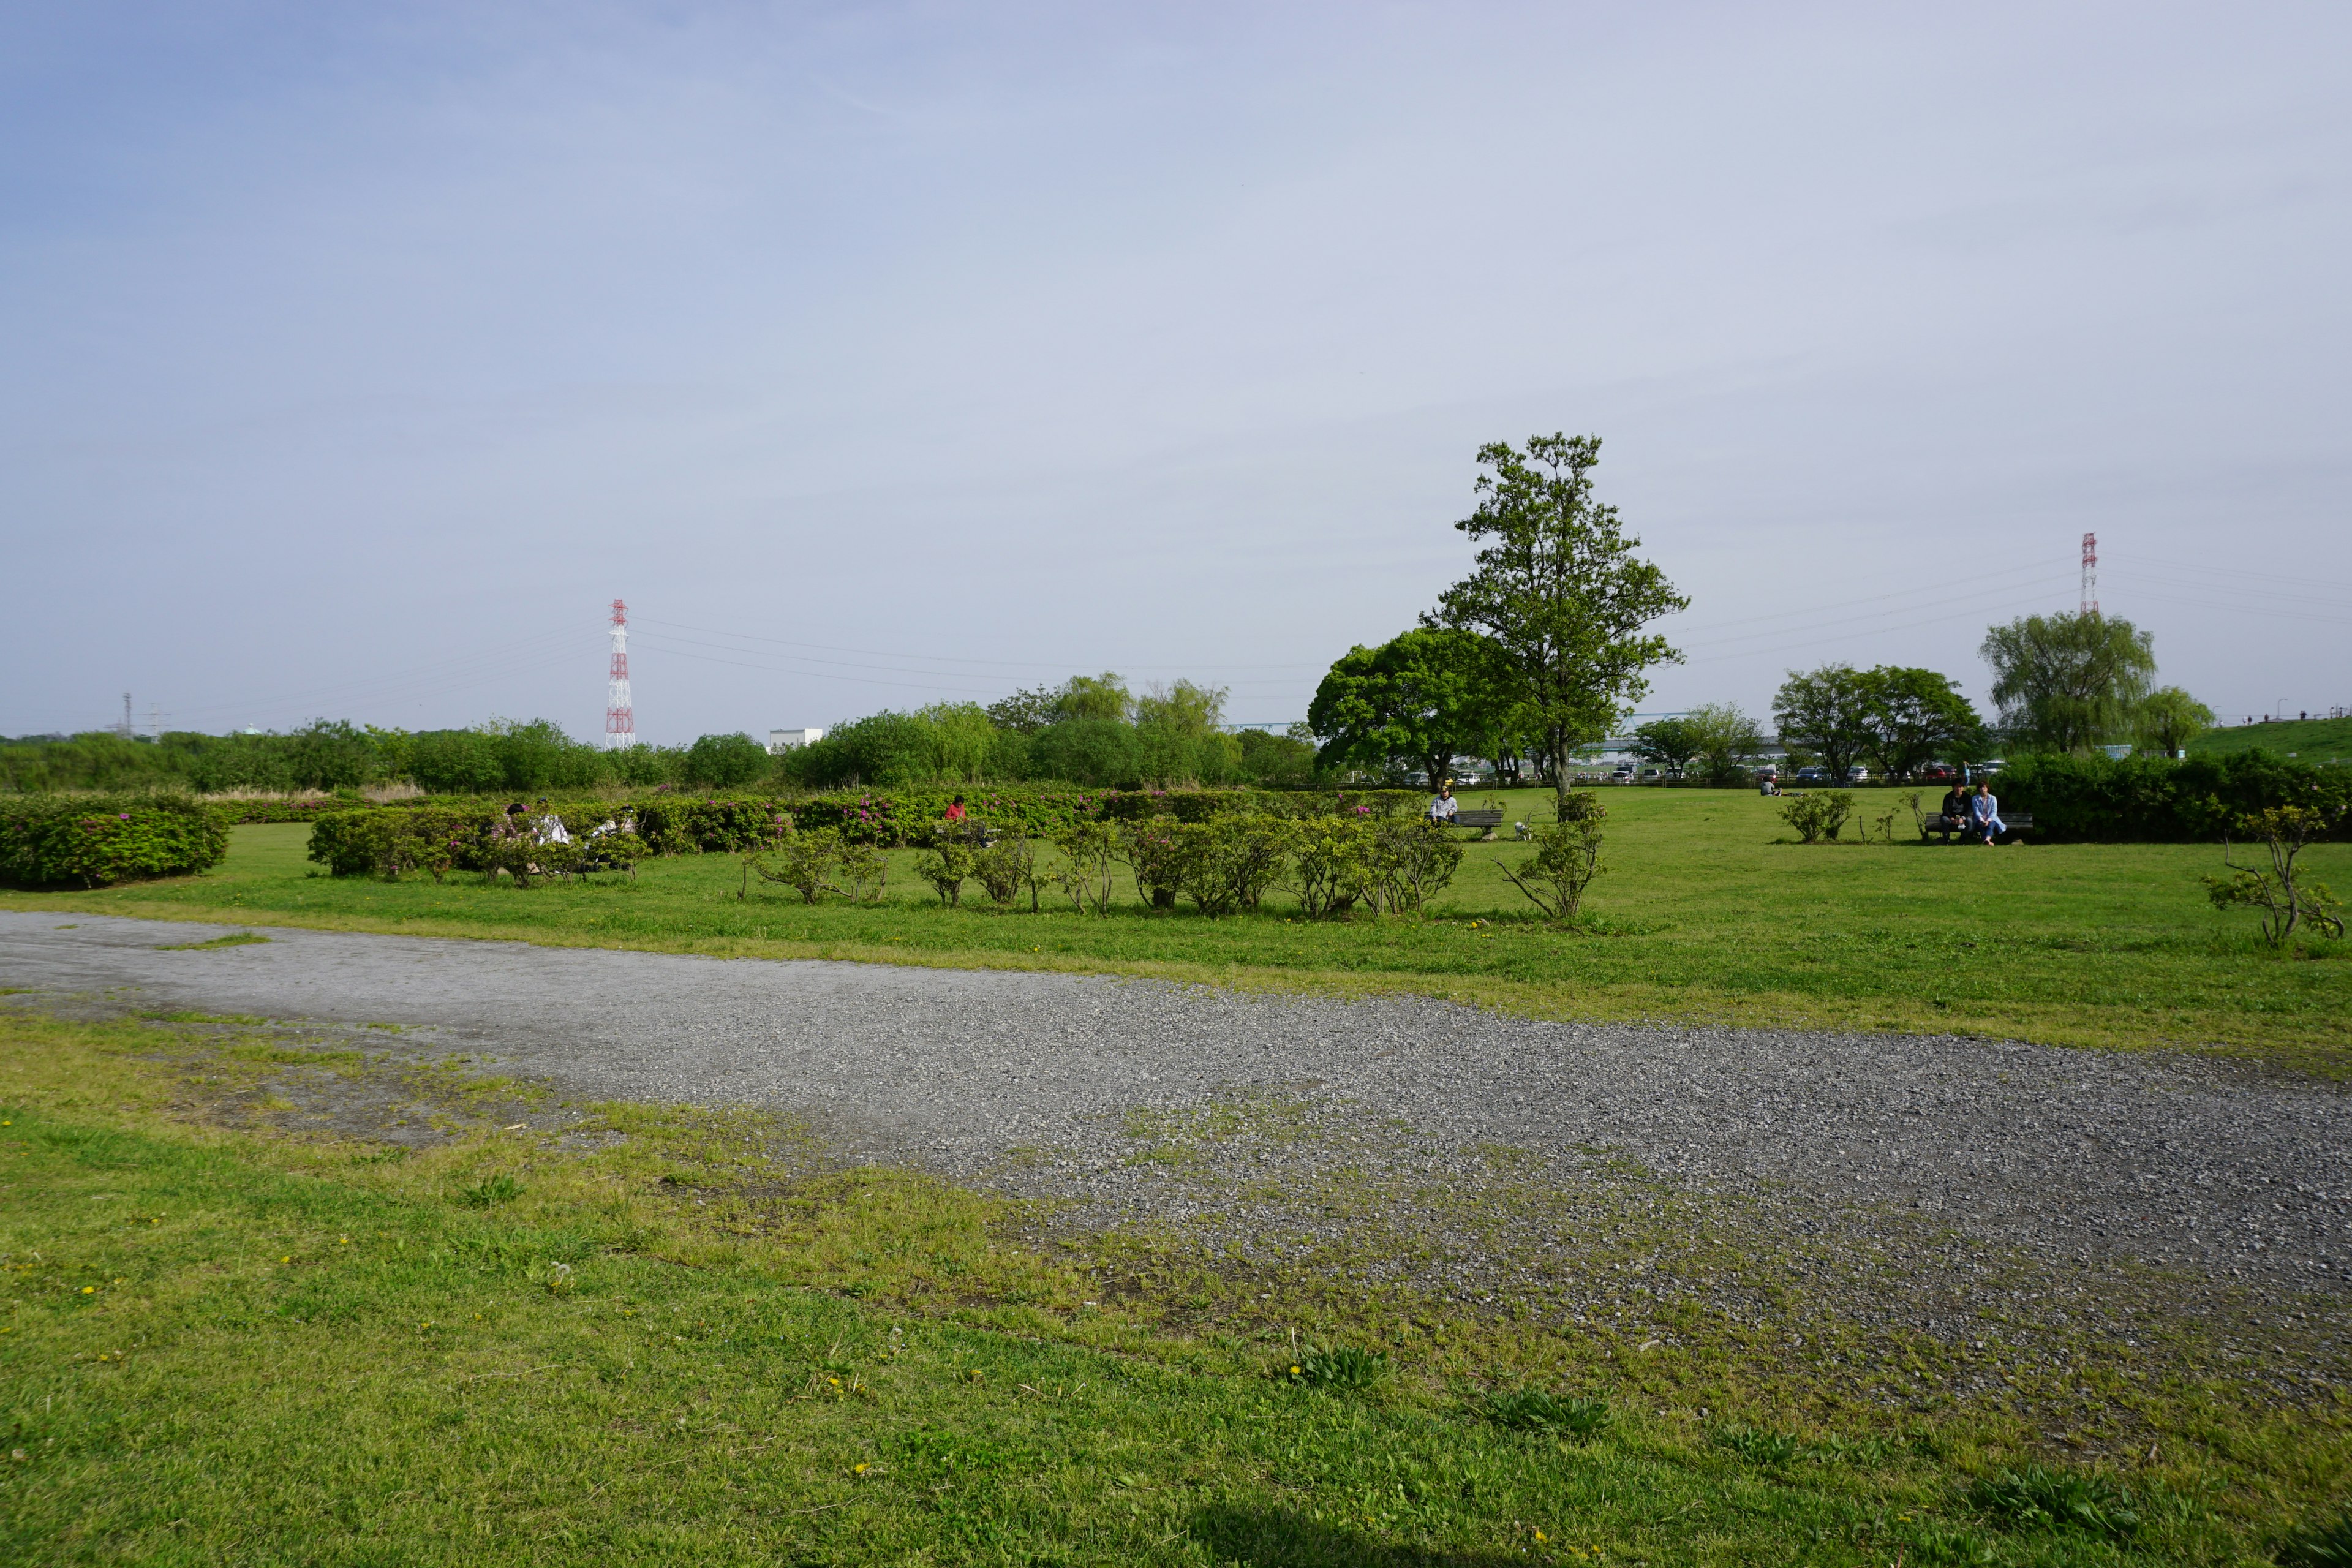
(857, 1469)
(89, 1289)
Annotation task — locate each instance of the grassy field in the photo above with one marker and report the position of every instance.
(1708, 910)
(2309, 740)
(653, 1340)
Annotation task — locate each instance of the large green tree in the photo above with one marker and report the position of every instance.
(1562, 596)
(1669, 743)
(1419, 699)
(1826, 712)
(2068, 682)
(1725, 740)
(2168, 718)
(1915, 717)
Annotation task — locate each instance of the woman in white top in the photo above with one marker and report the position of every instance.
(1440, 806)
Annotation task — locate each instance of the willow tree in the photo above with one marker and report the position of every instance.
(1562, 596)
(2067, 682)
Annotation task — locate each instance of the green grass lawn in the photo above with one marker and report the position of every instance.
(1708, 910)
(225, 1343)
(2308, 739)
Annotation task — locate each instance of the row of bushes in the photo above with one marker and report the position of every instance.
(2158, 800)
(354, 841)
(97, 840)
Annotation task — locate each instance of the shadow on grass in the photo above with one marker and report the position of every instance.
(1280, 1537)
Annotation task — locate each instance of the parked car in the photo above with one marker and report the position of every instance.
(1939, 773)
(1857, 774)
(1812, 775)
(1989, 769)
(1766, 771)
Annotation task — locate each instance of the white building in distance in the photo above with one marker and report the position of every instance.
(782, 740)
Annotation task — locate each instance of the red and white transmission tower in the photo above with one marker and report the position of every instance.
(620, 721)
(2090, 574)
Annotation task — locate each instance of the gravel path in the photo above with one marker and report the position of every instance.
(2069, 1155)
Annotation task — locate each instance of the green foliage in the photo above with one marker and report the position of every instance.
(1817, 814)
(1350, 1369)
(1669, 743)
(386, 841)
(1226, 863)
(1276, 762)
(45, 840)
(1725, 740)
(2068, 682)
(1412, 703)
(1412, 860)
(2168, 718)
(1104, 754)
(1914, 717)
(807, 862)
(1330, 863)
(2286, 898)
(1534, 1410)
(2034, 1497)
(725, 761)
(2318, 1546)
(1090, 855)
(501, 1188)
(1827, 713)
(2155, 800)
(947, 866)
(1566, 857)
(1559, 591)
(1004, 869)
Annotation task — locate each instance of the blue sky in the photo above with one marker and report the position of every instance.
(358, 356)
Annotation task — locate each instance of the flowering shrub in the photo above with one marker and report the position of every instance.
(93, 841)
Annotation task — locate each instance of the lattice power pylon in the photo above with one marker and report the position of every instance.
(2090, 574)
(620, 719)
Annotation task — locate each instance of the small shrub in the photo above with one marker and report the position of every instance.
(1226, 863)
(498, 1189)
(946, 865)
(1533, 1410)
(1155, 851)
(1330, 864)
(1349, 1368)
(1567, 859)
(1412, 860)
(1090, 859)
(2038, 1497)
(1818, 814)
(2286, 898)
(1004, 869)
(805, 862)
(865, 872)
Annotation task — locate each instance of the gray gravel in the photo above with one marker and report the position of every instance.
(2071, 1157)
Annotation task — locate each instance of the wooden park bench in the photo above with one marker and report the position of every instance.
(1945, 827)
(1484, 821)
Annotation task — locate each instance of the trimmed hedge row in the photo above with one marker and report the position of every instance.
(351, 842)
(2158, 800)
(95, 840)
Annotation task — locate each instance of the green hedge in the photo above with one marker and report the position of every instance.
(348, 842)
(95, 840)
(2157, 800)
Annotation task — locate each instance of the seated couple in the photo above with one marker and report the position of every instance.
(1978, 814)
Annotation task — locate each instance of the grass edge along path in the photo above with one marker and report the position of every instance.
(1668, 1004)
(235, 1341)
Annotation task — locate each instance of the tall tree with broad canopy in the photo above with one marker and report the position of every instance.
(2068, 682)
(1726, 741)
(2168, 718)
(1419, 698)
(1827, 713)
(1561, 593)
(1915, 718)
(1669, 743)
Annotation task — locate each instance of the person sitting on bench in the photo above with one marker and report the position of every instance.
(1986, 811)
(1955, 809)
(1441, 805)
